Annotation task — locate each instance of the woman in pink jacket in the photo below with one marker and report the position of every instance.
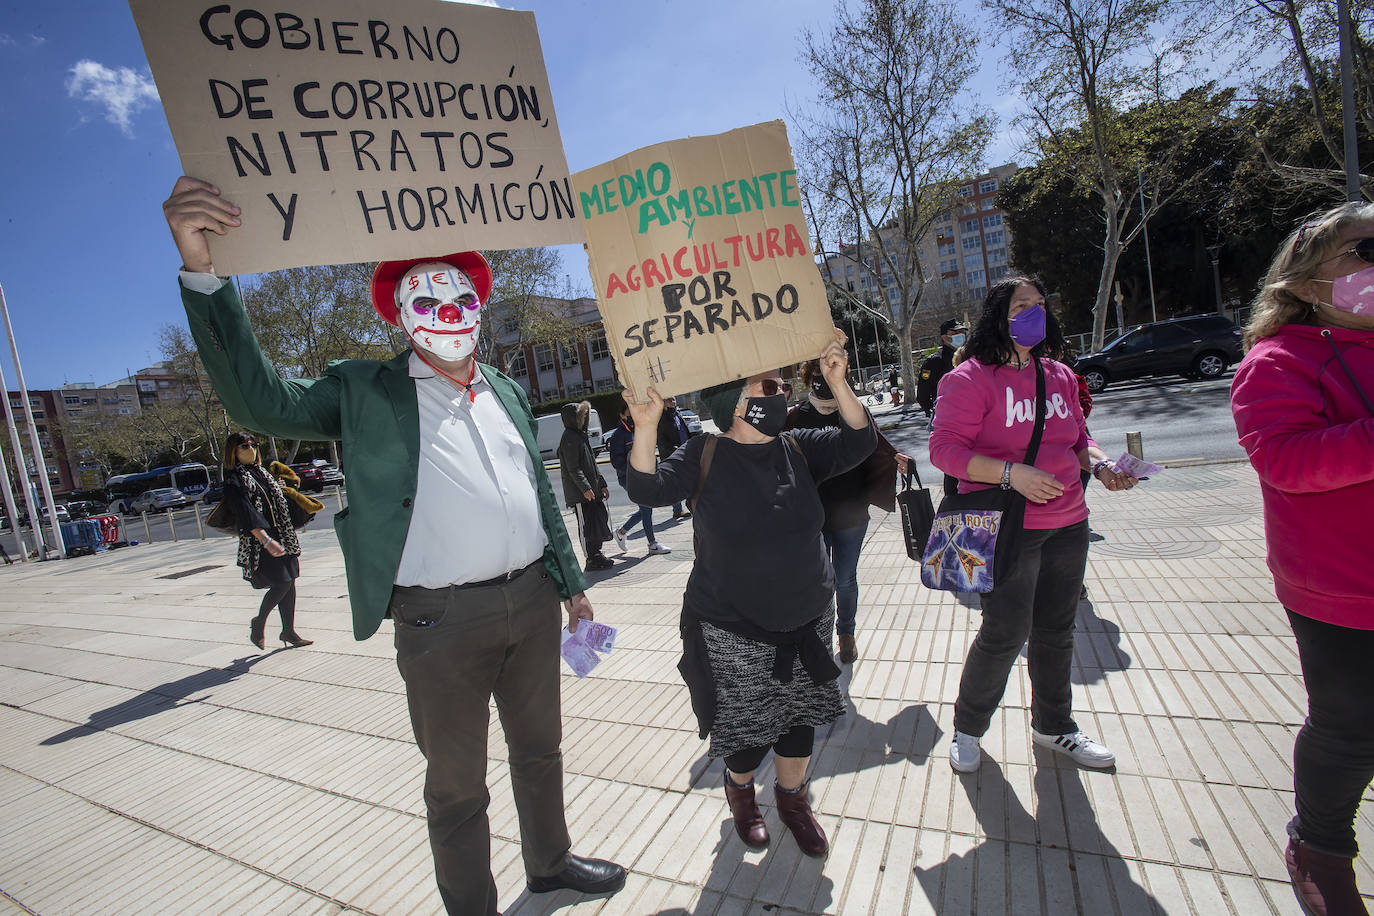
(1302, 403)
(984, 417)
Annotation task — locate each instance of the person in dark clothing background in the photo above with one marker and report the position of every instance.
(952, 337)
(672, 435)
(846, 498)
(584, 489)
(757, 614)
(269, 552)
(618, 446)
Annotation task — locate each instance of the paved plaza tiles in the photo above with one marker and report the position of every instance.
(152, 761)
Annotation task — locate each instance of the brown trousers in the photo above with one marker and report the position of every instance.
(456, 649)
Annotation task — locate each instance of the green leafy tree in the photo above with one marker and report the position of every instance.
(1299, 114)
(1094, 63)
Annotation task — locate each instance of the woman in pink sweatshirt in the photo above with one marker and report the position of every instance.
(984, 417)
(1302, 403)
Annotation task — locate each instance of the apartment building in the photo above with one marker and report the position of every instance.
(47, 407)
(967, 249)
(551, 371)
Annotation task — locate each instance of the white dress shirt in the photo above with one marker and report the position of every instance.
(476, 509)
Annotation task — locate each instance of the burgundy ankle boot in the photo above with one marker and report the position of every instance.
(795, 810)
(748, 820)
(1325, 884)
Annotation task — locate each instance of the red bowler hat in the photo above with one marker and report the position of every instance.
(389, 273)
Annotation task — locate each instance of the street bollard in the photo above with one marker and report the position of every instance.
(172, 524)
(146, 530)
(199, 527)
(1134, 446)
(339, 495)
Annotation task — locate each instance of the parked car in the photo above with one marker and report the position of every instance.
(692, 421)
(84, 508)
(332, 476)
(159, 500)
(213, 494)
(63, 515)
(312, 478)
(1199, 346)
(551, 433)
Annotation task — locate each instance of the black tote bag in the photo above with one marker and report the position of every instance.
(918, 512)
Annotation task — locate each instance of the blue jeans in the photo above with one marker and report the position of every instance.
(844, 547)
(642, 515)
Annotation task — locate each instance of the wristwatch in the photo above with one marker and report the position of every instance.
(1006, 476)
(1100, 465)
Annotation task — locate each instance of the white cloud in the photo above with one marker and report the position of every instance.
(7, 40)
(37, 40)
(121, 92)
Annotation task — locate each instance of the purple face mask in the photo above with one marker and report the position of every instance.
(1028, 327)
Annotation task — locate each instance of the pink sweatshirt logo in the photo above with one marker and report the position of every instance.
(1023, 411)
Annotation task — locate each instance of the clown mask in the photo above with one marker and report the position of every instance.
(439, 310)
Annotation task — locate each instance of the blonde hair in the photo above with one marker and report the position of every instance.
(1306, 248)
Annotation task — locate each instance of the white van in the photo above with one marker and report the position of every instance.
(551, 433)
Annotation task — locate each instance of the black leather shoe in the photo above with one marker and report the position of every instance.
(587, 876)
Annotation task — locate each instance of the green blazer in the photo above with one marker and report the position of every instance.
(371, 406)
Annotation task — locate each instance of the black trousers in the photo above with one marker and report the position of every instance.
(1037, 601)
(1333, 757)
(457, 648)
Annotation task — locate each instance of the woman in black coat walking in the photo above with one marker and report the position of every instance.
(269, 552)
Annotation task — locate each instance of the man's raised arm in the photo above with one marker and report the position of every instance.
(250, 389)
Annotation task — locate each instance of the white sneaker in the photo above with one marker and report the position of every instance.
(659, 548)
(1078, 746)
(964, 754)
(620, 540)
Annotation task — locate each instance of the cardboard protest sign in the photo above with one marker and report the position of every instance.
(352, 130)
(702, 261)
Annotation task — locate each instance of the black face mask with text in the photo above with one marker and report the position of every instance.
(767, 414)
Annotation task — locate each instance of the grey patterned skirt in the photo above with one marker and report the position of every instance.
(752, 709)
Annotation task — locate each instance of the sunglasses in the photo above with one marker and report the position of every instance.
(249, 444)
(1364, 250)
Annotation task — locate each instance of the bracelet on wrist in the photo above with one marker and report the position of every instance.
(1006, 476)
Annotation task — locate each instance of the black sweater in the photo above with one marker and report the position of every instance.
(760, 557)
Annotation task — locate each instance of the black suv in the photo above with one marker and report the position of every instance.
(1199, 346)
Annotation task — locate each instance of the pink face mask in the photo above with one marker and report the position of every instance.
(439, 310)
(1354, 293)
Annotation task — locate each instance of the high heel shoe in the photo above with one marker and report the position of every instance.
(255, 635)
(294, 641)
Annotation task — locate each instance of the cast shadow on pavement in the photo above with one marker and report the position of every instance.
(1097, 647)
(621, 566)
(852, 744)
(162, 698)
(729, 869)
(1079, 868)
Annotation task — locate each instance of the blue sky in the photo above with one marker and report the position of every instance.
(86, 263)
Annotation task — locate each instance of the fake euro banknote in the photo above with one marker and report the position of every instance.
(581, 658)
(1135, 467)
(599, 636)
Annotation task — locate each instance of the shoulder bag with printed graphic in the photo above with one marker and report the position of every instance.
(976, 536)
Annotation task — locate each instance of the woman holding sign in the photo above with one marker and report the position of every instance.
(757, 616)
(983, 425)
